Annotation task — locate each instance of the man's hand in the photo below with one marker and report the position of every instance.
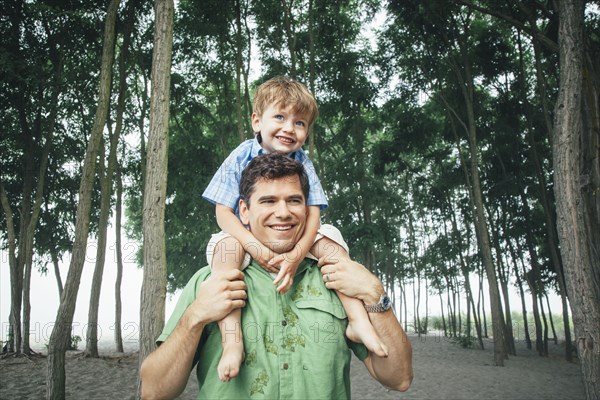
(218, 295)
(351, 279)
(288, 265)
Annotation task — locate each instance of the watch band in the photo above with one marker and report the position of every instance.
(384, 304)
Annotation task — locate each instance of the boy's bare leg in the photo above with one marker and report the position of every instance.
(229, 255)
(360, 329)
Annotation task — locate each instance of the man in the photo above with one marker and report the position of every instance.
(295, 343)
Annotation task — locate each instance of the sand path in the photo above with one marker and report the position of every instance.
(443, 370)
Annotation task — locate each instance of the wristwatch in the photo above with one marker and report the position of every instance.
(384, 304)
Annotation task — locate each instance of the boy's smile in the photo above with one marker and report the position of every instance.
(282, 129)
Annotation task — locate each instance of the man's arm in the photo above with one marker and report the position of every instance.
(354, 280)
(231, 224)
(165, 372)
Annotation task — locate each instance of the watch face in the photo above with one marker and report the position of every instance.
(386, 302)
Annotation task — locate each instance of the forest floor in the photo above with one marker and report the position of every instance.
(442, 370)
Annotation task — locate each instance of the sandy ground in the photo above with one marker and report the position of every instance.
(442, 369)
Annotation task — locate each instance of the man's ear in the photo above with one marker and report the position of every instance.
(244, 212)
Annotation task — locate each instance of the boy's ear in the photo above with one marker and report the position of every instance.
(244, 212)
(255, 122)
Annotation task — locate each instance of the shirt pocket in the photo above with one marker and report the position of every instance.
(325, 322)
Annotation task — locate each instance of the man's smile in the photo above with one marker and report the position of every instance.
(282, 228)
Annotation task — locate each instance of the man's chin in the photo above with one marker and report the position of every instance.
(281, 247)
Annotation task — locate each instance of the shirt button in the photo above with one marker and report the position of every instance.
(285, 366)
(284, 323)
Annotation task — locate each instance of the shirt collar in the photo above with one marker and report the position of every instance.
(256, 148)
(304, 265)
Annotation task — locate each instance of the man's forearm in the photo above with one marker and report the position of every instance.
(354, 280)
(165, 372)
(394, 371)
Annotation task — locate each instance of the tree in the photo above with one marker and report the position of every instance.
(61, 333)
(576, 187)
(106, 187)
(154, 286)
(28, 102)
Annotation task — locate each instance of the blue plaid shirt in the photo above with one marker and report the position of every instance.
(224, 186)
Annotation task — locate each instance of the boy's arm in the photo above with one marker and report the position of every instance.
(288, 262)
(231, 224)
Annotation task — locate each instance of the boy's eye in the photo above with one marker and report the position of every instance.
(300, 123)
(279, 117)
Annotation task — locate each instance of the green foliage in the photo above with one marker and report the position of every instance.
(392, 151)
(74, 343)
(465, 341)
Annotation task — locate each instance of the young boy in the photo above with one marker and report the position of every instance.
(284, 111)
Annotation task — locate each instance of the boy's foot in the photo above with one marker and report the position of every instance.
(363, 332)
(231, 359)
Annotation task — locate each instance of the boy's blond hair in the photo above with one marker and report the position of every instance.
(284, 91)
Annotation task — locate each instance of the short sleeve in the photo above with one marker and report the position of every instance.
(224, 185)
(316, 194)
(187, 297)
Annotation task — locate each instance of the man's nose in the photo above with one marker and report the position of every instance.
(282, 210)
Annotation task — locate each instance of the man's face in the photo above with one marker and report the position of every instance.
(282, 129)
(277, 212)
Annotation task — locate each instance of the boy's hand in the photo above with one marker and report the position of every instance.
(287, 264)
(262, 255)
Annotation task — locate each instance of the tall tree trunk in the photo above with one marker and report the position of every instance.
(519, 284)
(576, 183)
(61, 333)
(532, 280)
(481, 301)
(91, 343)
(154, 286)
(502, 274)
(14, 323)
(238, 71)
(290, 33)
(545, 320)
(478, 208)
(311, 68)
(106, 189)
(119, 256)
(59, 283)
(554, 337)
(443, 318)
(542, 185)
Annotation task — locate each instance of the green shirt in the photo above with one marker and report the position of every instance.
(295, 343)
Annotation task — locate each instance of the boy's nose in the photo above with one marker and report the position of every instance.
(289, 126)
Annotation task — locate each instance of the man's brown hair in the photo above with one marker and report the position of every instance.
(271, 166)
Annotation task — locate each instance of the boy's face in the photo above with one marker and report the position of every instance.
(282, 129)
(276, 212)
